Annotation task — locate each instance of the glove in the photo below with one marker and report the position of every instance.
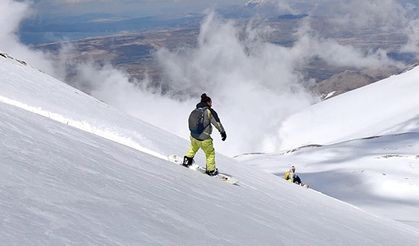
(223, 136)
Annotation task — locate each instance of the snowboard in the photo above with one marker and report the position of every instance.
(222, 176)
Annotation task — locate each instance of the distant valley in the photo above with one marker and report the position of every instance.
(134, 52)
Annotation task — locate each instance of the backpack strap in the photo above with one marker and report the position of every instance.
(209, 118)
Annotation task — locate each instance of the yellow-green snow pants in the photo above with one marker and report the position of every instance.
(208, 148)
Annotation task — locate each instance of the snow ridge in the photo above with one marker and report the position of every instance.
(84, 126)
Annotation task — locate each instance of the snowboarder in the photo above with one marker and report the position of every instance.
(200, 121)
(292, 177)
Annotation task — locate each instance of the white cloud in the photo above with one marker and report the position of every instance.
(387, 16)
(412, 31)
(381, 14)
(12, 14)
(253, 85)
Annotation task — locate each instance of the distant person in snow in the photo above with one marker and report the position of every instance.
(200, 122)
(292, 177)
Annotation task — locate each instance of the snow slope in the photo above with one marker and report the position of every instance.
(67, 180)
(389, 106)
(369, 147)
(379, 175)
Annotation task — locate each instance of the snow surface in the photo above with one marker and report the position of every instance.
(379, 175)
(67, 180)
(361, 147)
(387, 107)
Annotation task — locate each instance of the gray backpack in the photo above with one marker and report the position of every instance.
(196, 121)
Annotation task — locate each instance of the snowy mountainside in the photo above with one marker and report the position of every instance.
(389, 106)
(52, 98)
(379, 175)
(63, 183)
(361, 147)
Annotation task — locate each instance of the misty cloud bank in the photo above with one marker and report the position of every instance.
(12, 13)
(254, 84)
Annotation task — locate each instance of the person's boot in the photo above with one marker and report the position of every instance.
(187, 161)
(212, 172)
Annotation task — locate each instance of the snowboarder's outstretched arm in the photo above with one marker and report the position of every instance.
(215, 121)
